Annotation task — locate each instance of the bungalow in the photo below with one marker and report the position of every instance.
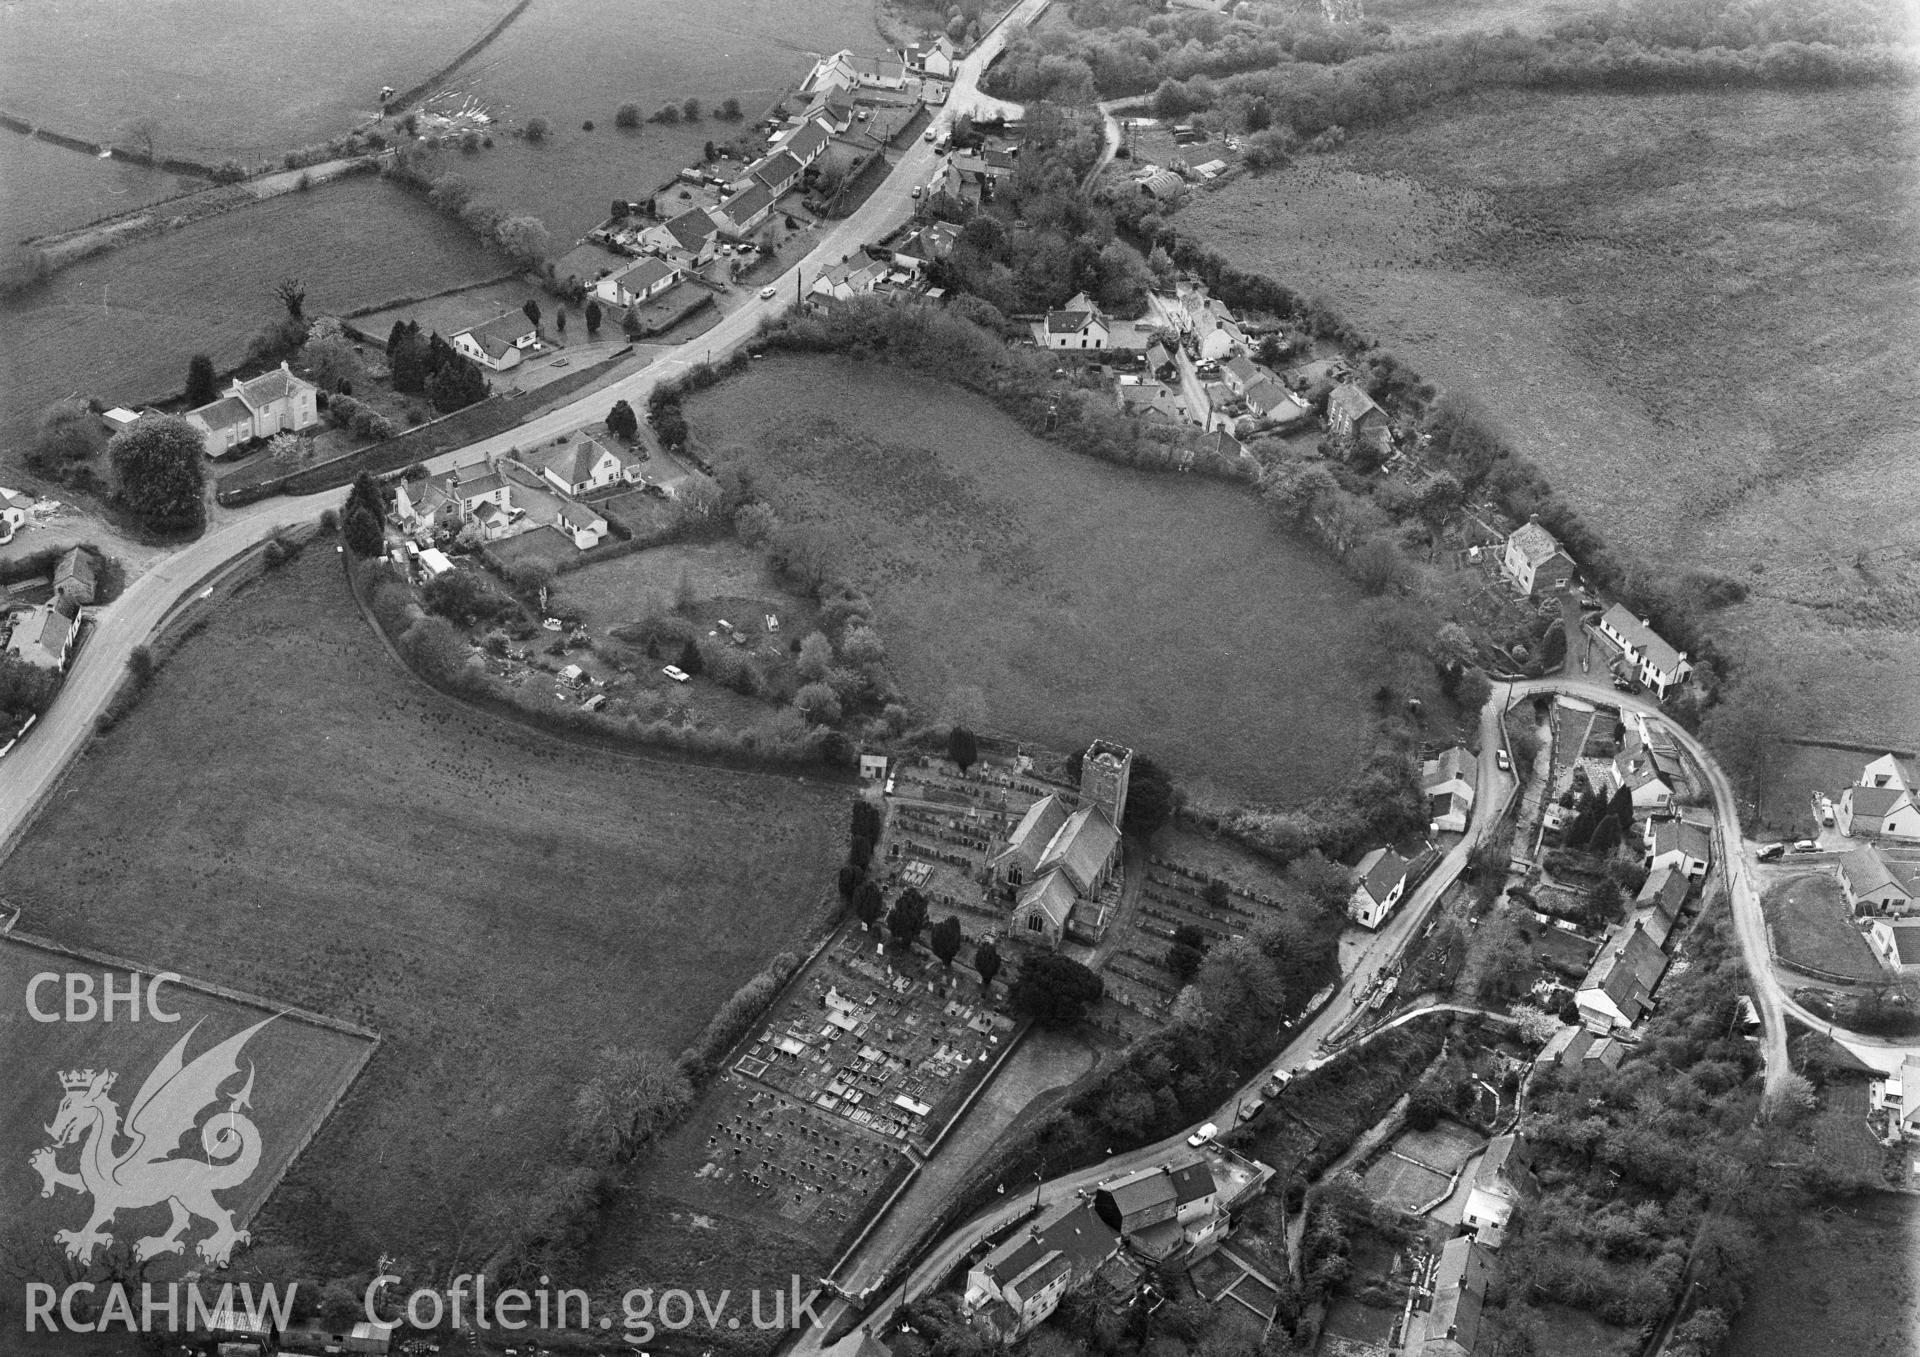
(1168, 1212)
(925, 245)
(1618, 989)
(939, 58)
(1380, 880)
(44, 636)
(747, 208)
(884, 73)
(690, 239)
(1888, 812)
(1897, 943)
(1451, 1326)
(580, 524)
(854, 277)
(1873, 885)
(1680, 844)
(1137, 397)
(1504, 1178)
(1890, 770)
(574, 468)
(1079, 325)
(640, 281)
(777, 173)
(1898, 1095)
(1534, 560)
(274, 402)
(1658, 664)
(1020, 1283)
(1352, 413)
(500, 342)
(1449, 782)
(74, 581)
(807, 142)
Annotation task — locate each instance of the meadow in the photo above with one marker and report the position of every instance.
(289, 813)
(1695, 311)
(1083, 599)
(122, 325)
(50, 188)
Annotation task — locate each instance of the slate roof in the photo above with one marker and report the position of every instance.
(76, 566)
(1643, 638)
(1068, 322)
(1082, 846)
(1627, 969)
(503, 332)
(1380, 871)
(807, 142)
(1665, 889)
(223, 413)
(1351, 400)
(778, 170)
(643, 274)
(1034, 832)
(1459, 1292)
(1506, 1167)
(1867, 872)
(1244, 371)
(47, 627)
(1052, 894)
(692, 229)
(1141, 1191)
(1450, 765)
(572, 462)
(747, 204)
(1691, 839)
(1874, 802)
(1535, 543)
(1269, 396)
(269, 387)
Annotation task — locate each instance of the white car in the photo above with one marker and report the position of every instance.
(677, 674)
(931, 134)
(1501, 760)
(766, 293)
(1203, 1135)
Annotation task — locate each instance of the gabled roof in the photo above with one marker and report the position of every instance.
(1142, 1190)
(807, 141)
(1380, 871)
(269, 387)
(1534, 543)
(1082, 846)
(1665, 889)
(1268, 396)
(1034, 832)
(223, 413)
(1244, 371)
(1642, 638)
(748, 203)
(501, 333)
(1691, 839)
(46, 626)
(644, 274)
(1506, 1167)
(1455, 764)
(77, 566)
(1068, 1231)
(1459, 1291)
(578, 515)
(1874, 802)
(1627, 969)
(572, 462)
(1904, 934)
(1351, 399)
(692, 229)
(1069, 322)
(778, 169)
(1867, 872)
(1052, 894)
(1192, 1181)
(880, 68)
(1223, 444)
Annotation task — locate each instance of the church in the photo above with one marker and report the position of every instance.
(1060, 860)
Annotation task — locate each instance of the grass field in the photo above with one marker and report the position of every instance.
(1083, 599)
(1444, 1148)
(1807, 918)
(300, 1068)
(50, 188)
(123, 325)
(1824, 1287)
(1403, 1185)
(288, 813)
(1694, 310)
(245, 78)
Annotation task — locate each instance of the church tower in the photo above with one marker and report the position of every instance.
(1103, 778)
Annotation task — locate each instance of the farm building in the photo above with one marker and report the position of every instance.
(500, 343)
(74, 581)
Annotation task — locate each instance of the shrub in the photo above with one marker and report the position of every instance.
(537, 129)
(627, 116)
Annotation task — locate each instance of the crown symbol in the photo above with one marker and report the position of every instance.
(83, 1079)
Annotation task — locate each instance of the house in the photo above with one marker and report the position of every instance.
(1451, 1325)
(1021, 1282)
(1078, 325)
(1242, 374)
(882, 72)
(1680, 844)
(747, 208)
(926, 245)
(1137, 397)
(1271, 402)
(1352, 413)
(1657, 907)
(500, 343)
(1897, 943)
(1577, 1047)
(1533, 559)
(1380, 880)
(1898, 1095)
(1503, 1179)
(1224, 446)
(455, 498)
(1171, 1211)
(834, 72)
(1873, 885)
(577, 466)
(274, 402)
(807, 142)
(13, 513)
(777, 173)
(1636, 770)
(1658, 664)
(690, 239)
(1449, 781)
(853, 277)
(832, 107)
(74, 582)
(44, 636)
(1890, 770)
(1888, 812)
(1618, 989)
(939, 58)
(638, 282)
(580, 524)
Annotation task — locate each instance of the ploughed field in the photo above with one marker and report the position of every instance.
(1697, 312)
(288, 813)
(1083, 599)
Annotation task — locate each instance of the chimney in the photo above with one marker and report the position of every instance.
(1534, 519)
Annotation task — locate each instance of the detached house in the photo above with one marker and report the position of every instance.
(777, 173)
(500, 343)
(1020, 1283)
(74, 581)
(690, 239)
(640, 281)
(1534, 560)
(1898, 1095)
(1657, 663)
(1176, 1212)
(1886, 812)
(1380, 880)
(1352, 413)
(1078, 325)
(850, 278)
(476, 494)
(1890, 770)
(44, 636)
(1503, 1180)
(575, 467)
(13, 513)
(1449, 782)
(747, 208)
(1897, 943)
(1873, 885)
(274, 402)
(807, 142)
(938, 58)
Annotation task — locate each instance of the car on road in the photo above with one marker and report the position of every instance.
(1625, 685)
(676, 673)
(916, 192)
(1251, 1109)
(1807, 846)
(931, 134)
(1501, 761)
(1271, 1089)
(1203, 1135)
(766, 293)
(1208, 369)
(1772, 852)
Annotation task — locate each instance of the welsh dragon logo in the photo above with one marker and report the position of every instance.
(167, 1108)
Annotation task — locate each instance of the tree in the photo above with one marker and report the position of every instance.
(1746, 729)
(1605, 837)
(560, 321)
(860, 645)
(690, 660)
(1055, 990)
(986, 960)
(622, 422)
(525, 238)
(868, 903)
(690, 110)
(293, 295)
(66, 433)
(329, 356)
(730, 109)
(627, 116)
(1188, 951)
(819, 703)
(710, 152)
(201, 387)
(815, 657)
(455, 384)
(1150, 799)
(532, 312)
(849, 881)
(363, 533)
(537, 128)
(144, 133)
(907, 917)
(962, 747)
(366, 493)
(160, 464)
(530, 576)
(945, 940)
(1327, 884)
(593, 314)
(631, 1098)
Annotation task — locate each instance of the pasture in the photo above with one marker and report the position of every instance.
(300, 1068)
(122, 325)
(50, 188)
(1082, 598)
(289, 813)
(1808, 923)
(1693, 310)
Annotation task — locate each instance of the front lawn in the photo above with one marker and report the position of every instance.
(1807, 918)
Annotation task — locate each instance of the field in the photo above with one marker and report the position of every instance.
(1693, 310)
(122, 325)
(556, 61)
(290, 814)
(1825, 1289)
(300, 1068)
(1083, 599)
(245, 78)
(50, 188)
(1807, 919)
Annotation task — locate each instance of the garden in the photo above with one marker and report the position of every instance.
(1813, 930)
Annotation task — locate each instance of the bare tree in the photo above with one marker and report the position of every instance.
(293, 295)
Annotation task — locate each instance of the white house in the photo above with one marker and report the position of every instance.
(581, 524)
(1890, 770)
(1680, 844)
(1534, 560)
(274, 402)
(577, 466)
(1886, 812)
(690, 239)
(475, 493)
(43, 636)
(853, 277)
(807, 142)
(639, 281)
(13, 512)
(1657, 663)
(1897, 943)
(1503, 1179)
(1449, 782)
(1380, 880)
(1898, 1095)
(1872, 884)
(1022, 1281)
(500, 343)
(938, 58)
(748, 208)
(1078, 325)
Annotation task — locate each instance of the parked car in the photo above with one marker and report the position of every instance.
(1271, 1089)
(766, 293)
(1251, 1109)
(1203, 1135)
(1625, 685)
(931, 134)
(1772, 852)
(916, 192)
(676, 673)
(1807, 846)
(1501, 761)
